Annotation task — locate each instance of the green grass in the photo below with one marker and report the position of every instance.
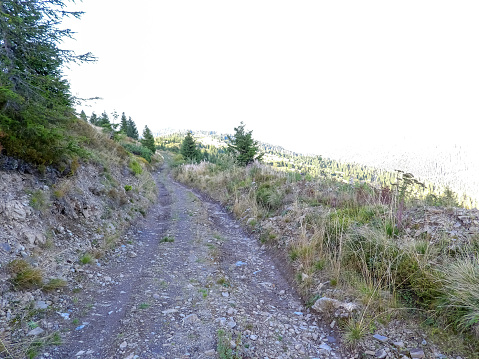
(167, 239)
(24, 276)
(87, 258)
(143, 306)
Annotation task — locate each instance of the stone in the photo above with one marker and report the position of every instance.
(6, 247)
(40, 304)
(14, 210)
(35, 332)
(123, 345)
(398, 344)
(304, 276)
(381, 354)
(417, 353)
(210, 352)
(190, 319)
(231, 324)
(253, 337)
(381, 338)
(326, 347)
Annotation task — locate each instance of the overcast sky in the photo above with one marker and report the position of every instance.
(307, 75)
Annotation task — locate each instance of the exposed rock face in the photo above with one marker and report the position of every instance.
(14, 210)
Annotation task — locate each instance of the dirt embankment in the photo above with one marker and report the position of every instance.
(49, 225)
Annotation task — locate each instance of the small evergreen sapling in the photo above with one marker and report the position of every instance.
(148, 140)
(243, 147)
(188, 148)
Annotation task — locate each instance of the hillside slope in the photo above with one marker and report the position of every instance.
(51, 222)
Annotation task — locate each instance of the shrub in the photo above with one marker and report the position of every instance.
(128, 188)
(24, 275)
(135, 167)
(269, 197)
(138, 150)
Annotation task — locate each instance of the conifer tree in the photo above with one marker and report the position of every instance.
(104, 120)
(188, 148)
(83, 116)
(132, 131)
(243, 147)
(124, 124)
(35, 101)
(94, 119)
(148, 140)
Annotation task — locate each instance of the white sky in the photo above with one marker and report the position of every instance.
(307, 75)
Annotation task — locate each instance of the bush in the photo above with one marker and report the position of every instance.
(269, 197)
(135, 167)
(24, 275)
(138, 150)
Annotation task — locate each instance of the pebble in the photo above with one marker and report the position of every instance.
(36, 331)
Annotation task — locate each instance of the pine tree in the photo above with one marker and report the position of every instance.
(83, 116)
(132, 131)
(104, 120)
(244, 148)
(148, 140)
(94, 119)
(188, 148)
(35, 101)
(124, 124)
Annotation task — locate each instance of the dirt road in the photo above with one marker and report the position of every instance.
(187, 278)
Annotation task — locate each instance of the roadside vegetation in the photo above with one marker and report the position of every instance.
(355, 242)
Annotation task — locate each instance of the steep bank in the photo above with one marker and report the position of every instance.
(51, 222)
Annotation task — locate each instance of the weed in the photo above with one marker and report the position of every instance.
(24, 275)
(128, 188)
(143, 306)
(54, 284)
(167, 239)
(135, 167)
(204, 292)
(87, 258)
(39, 201)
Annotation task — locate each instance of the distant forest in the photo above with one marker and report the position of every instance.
(435, 189)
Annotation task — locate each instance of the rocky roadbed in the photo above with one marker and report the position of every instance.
(186, 277)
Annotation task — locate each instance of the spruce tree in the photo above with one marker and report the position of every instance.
(94, 119)
(188, 148)
(104, 120)
(132, 131)
(124, 124)
(148, 140)
(83, 116)
(243, 147)
(36, 106)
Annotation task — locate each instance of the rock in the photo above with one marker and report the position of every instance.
(156, 296)
(190, 319)
(6, 247)
(253, 337)
(231, 324)
(13, 210)
(381, 354)
(132, 254)
(210, 352)
(107, 278)
(304, 276)
(123, 345)
(399, 344)
(35, 332)
(169, 311)
(381, 338)
(417, 353)
(326, 347)
(225, 294)
(41, 305)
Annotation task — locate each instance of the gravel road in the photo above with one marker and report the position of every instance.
(186, 278)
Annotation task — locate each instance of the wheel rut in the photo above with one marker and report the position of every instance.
(187, 277)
